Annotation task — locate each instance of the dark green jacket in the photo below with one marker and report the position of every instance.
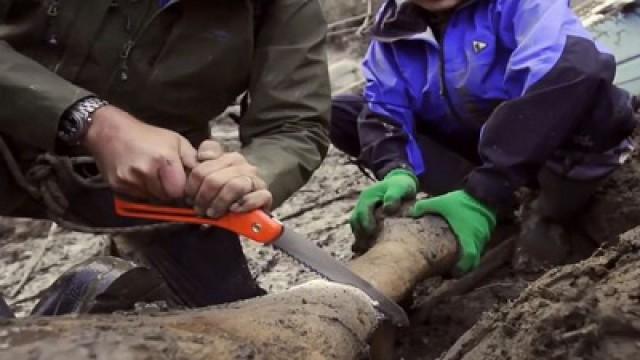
(176, 66)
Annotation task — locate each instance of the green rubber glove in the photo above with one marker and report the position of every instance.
(397, 186)
(471, 221)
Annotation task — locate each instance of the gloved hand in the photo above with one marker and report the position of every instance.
(398, 185)
(470, 220)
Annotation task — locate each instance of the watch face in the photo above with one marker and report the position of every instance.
(75, 122)
(69, 129)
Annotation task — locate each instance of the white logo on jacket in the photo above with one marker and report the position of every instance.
(478, 46)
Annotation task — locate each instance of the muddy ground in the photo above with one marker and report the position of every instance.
(561, 309)
(590, 310)
(560, 317)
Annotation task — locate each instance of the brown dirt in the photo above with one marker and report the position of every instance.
(616, 208)
(451, 318)
(585, 311)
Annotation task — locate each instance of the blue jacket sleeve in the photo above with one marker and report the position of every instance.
(560, 84)
(386, 127)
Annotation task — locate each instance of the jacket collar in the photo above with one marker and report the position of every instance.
(402, 19)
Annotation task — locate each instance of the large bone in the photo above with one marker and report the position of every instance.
(318, 320)
(406, 252)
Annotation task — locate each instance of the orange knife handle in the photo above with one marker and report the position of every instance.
(256, 225)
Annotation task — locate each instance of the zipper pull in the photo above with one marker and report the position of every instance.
(126, 50)
(124, 72)
(124, 56)
(53, 39)
(52, 10)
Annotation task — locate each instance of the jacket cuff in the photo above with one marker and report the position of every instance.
(381, 173)
(492, 189)
(46, 112)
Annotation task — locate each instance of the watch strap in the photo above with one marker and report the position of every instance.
(76, 120)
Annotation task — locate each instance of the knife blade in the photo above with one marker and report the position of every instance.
(315, 258)
(259, 226)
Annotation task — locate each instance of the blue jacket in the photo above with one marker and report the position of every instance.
(514, 80)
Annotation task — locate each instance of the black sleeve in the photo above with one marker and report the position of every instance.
(574, 105)
(383, 143)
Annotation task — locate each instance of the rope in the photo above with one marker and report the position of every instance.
(105, 230)
(42, 183)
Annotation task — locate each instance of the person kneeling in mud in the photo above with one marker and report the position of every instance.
(134, 84)
(469, 101)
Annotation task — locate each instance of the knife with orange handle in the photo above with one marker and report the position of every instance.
(259, 226)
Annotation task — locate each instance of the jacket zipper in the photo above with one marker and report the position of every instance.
(131, 43)
(444, 92)
(52, 13)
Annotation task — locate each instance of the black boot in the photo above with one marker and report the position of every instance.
(102, 285)
(541, 243)
(544, 239)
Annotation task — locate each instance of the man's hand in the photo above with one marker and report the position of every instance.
(224, 182)
(138, 159)
(397, 186)
(470, 220)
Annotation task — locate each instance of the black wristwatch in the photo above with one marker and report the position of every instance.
(75, 122)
